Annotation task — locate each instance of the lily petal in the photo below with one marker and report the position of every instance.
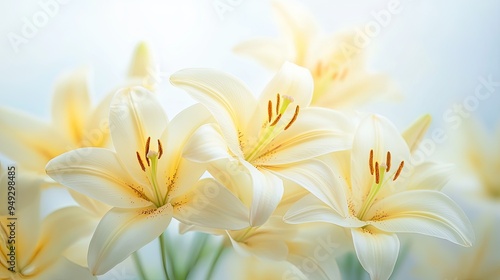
(291, 80)
(317, 131)
(267, 192)
(182, 127)
(71, 104)
(261, 245)
(298, 24)
(28, 141)
(429, 176)
(206, 145)
(135, 115)
(226, 97)
(98, 173)
(426, 212)
(272, 53)
(122, 232)
(377, 251)
(310, 209)
(316, 177)
(378, 134)
(96, 133)
(414, 134)
(59, 230)
(142, 65)
(211, 205)
(62, 268)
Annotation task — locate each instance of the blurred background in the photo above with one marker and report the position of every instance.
(437, 53)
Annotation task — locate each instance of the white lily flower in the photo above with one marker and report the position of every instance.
(75, 124)
(146, 180)
(32, 248)
(336, 62)
(379, 197)
(263, 139)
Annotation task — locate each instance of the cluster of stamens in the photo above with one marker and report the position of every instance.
(376, 169)
(151, 157)
(271, 127)
(379, 170)
(149, 154)
(280, 109)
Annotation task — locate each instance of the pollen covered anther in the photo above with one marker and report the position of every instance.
(377, 173)
(277, 103)
(140, 161)
(160, 149)
(388, 161)
(277, 120)
(398, 172)
(146, 150)
(269, 110)
(293, 118)
(370, 162)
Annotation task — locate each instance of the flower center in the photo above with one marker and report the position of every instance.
(275, 124)
(151, 157)
(378, 170)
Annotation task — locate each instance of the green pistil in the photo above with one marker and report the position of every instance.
(153, 156)
(270, 130)
(376, 187)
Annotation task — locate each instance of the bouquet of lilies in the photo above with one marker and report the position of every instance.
(285, 183)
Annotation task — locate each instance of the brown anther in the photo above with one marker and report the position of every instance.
(160, 149)
(371, 162)
(334, 76)
(293, 118)
(344, 73)
(147, 150)
(277, 104)
(318, 68)
(377, 173)
(400, 168)
(388, 161)
(140, 161)
(276, 120)
(269, 110)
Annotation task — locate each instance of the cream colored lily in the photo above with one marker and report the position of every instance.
(263, 140)
(31, 248)
(32, 143)
(482, 153)
(145, 179)
(337, 63)
(381, 195)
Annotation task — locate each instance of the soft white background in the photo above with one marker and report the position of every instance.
(434, 50)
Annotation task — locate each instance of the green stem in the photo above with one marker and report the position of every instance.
(200, 247)
(137, 261)
(216, 260)
(164, 259)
